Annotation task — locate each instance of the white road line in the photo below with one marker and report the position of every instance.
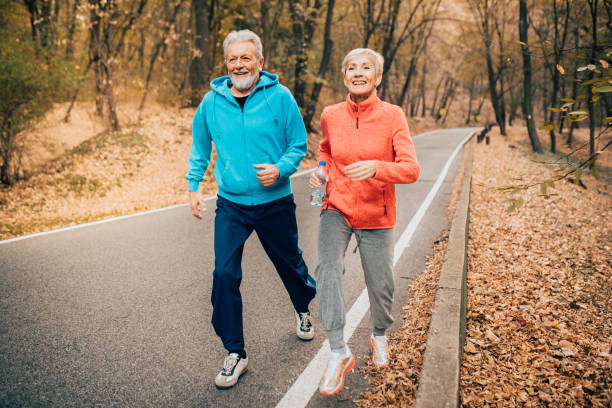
(306, 384)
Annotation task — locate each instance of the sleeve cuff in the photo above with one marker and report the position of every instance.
(193, 185)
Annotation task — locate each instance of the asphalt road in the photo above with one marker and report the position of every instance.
(117, 314)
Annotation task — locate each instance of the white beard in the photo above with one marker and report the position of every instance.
(244, 83)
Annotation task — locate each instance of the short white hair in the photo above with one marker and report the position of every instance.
(243, 35)
(379, 61)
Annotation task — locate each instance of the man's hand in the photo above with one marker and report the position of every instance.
(360, 170)
(268, 175)
(197, 204)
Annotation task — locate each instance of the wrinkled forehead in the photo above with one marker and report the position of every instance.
(361, 59)
(239, 48)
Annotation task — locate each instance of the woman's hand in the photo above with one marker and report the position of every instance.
(314, 181)
(360, 170)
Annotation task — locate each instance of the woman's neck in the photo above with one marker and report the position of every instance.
(359, 98)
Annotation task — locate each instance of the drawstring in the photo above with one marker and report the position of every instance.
(214, 127)
(269, 105)
(272, 110)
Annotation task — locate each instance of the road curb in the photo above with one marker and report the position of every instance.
(439, 380)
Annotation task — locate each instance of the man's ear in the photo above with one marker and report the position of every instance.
(261, 63)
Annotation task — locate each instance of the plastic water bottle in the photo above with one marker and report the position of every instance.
(318, 193)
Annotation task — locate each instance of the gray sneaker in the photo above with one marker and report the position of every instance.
(233, 367)
(304, 329)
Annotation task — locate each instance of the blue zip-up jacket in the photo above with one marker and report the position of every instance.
(268, 130)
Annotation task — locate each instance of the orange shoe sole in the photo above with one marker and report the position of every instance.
(373, 362)
(348, 367)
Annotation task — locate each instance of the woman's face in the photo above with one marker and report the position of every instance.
(360, 77)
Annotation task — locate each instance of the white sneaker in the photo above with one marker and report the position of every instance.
(337, 367)
(233, 367)
(304, 329)
(378, 344)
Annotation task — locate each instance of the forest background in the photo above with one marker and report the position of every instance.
(97, 96)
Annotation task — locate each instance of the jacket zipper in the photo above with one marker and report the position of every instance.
(384, 205)
(246, 152)
(357, 107)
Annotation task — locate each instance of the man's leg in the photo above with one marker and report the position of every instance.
(232, 228)
(276, 227)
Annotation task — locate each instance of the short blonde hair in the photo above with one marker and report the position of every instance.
(379, 61)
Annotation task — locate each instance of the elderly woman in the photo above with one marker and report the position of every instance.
(367, 146)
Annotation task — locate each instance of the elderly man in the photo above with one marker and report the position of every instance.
(260, 139)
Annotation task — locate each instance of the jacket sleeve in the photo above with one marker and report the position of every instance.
(295, 136)
(405, 168)
(324, 147)
(201, 148)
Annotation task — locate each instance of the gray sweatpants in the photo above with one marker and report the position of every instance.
(376, 251)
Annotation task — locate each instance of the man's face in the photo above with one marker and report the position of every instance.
(243, 66)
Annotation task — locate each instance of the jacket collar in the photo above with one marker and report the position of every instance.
(365, 107)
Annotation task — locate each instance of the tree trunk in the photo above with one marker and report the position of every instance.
(495, 97)
(301, 57)
(95, 53)
(34, 17)
(435, 98)
(167, 26)
(423, 87)
(574, 85)
(402, 98)
(559, 45)
(592, 60)
(387, 48)
(198, 72)
(448, 104)
(46, 29)
(469, 114)
(303, 24)
(328, 45)
(527, 102)
(106, 65)
(269, 27)
(72, 18)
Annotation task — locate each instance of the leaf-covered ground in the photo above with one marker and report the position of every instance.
(539, 280)
(539, 323)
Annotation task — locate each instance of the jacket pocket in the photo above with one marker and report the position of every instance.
(231, 180)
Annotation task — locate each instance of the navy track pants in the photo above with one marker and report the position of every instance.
(276, 227)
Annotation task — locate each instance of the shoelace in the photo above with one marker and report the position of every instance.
(305, 323)
(229, 363)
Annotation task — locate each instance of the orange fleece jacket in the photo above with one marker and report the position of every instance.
(373, 130)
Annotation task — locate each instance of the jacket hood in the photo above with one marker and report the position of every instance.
(223, 84)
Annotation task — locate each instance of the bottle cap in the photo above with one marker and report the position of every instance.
(322, 162)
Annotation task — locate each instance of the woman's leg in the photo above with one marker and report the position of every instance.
(334, 236)
(376, 251)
